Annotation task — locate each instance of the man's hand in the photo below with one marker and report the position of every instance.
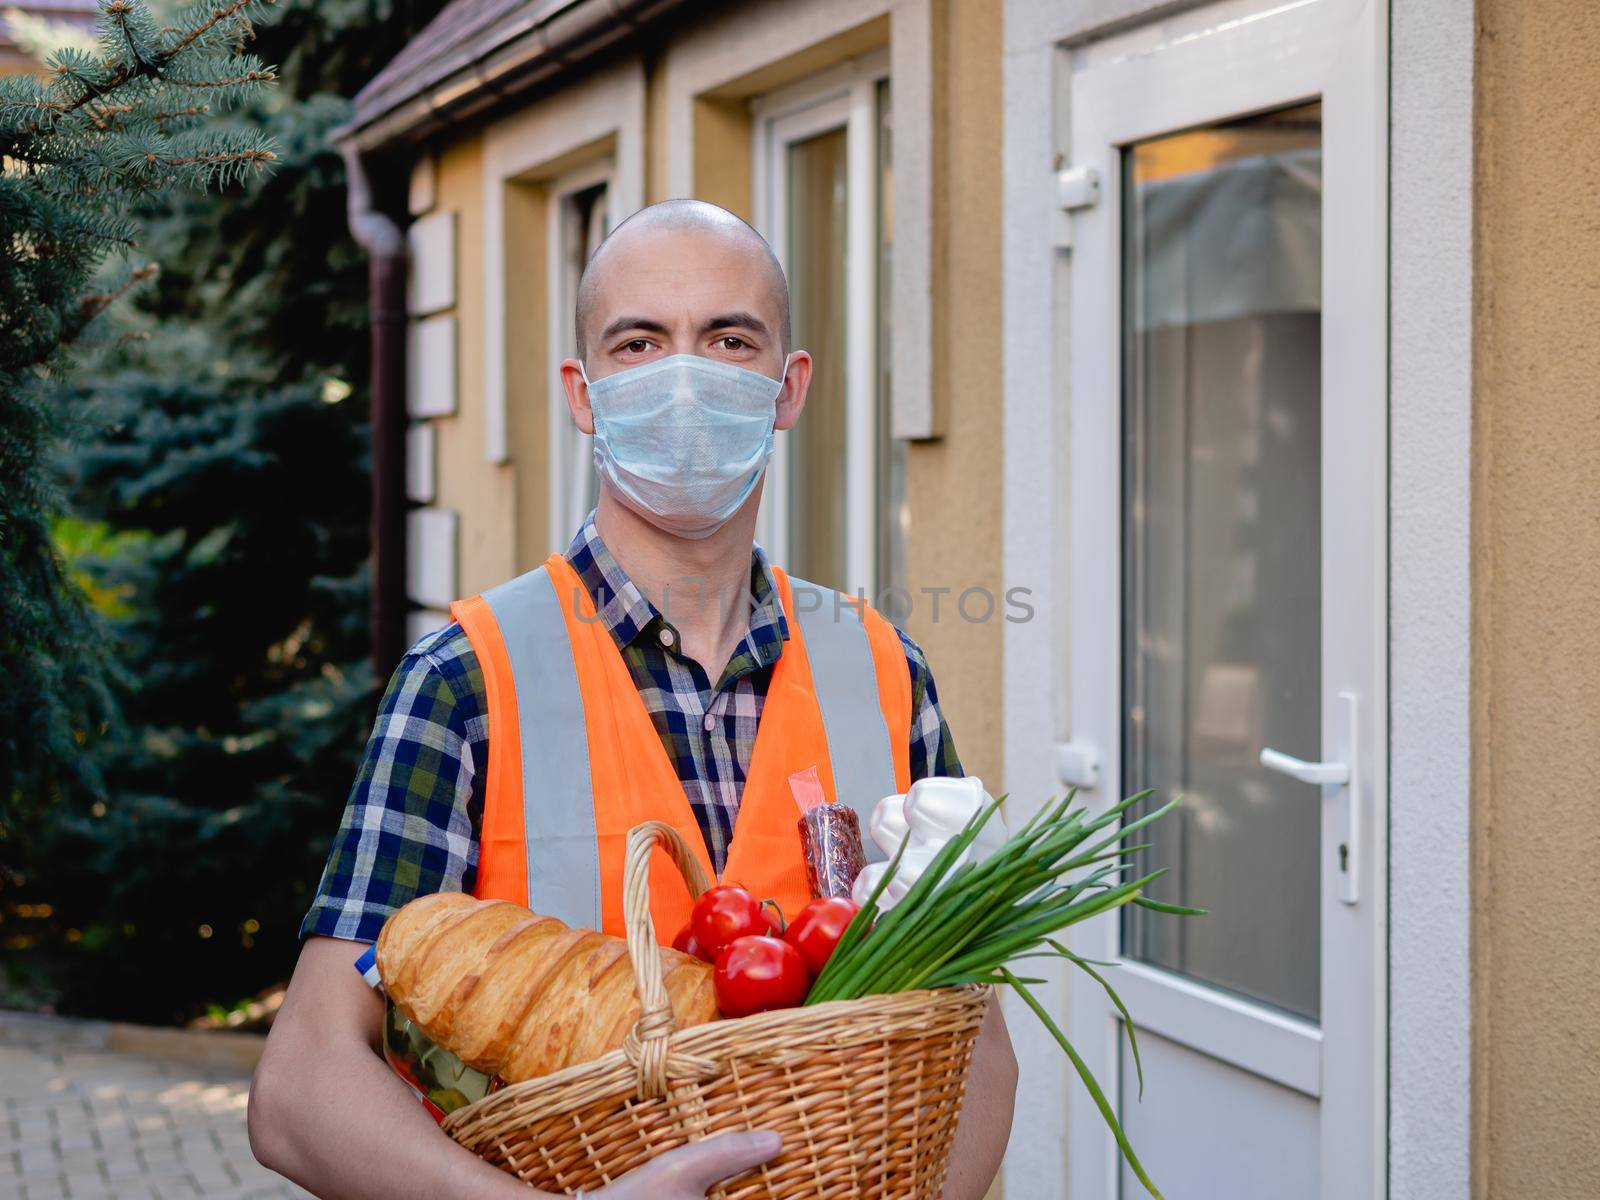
(688, 1172)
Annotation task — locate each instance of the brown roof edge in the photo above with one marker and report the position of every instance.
(487, 68)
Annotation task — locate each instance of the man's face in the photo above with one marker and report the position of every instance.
(675, 291)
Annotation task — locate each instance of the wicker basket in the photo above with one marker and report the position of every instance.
(865, 1092)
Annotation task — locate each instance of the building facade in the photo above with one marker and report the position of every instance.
(29, 26)
(1209, 389)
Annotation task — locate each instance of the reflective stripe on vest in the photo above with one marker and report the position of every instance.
(843, 674)
(562, 852)
(553, 841)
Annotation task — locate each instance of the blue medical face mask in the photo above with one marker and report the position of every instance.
(682, 440)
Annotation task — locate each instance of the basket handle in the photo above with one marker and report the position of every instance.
(647, 1043)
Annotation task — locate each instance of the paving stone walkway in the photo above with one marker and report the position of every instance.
(80, 1121)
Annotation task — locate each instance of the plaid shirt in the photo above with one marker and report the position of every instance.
(411, 823)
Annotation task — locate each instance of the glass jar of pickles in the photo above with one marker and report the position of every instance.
(442, 1080)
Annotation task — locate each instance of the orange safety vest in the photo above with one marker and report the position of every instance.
(575, 761)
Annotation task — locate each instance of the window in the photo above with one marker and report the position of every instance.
(894, 513)
(833, 510)
(1222, 618)
(580, 218)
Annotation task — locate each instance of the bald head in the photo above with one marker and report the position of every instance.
(688, 251)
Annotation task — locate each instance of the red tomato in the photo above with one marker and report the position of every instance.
(756, 973)
(818, 928)
(725, 913)
(686, 942)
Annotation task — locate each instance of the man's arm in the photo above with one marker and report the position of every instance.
(985, 1126)
(932, 749)
(326, 1110)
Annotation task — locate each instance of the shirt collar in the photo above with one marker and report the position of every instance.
(626, 614)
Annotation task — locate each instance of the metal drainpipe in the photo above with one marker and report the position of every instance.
(385, 244)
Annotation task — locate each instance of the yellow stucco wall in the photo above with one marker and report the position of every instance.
(1536, 600)
(954, 481)
(480, 492)
(528, 366)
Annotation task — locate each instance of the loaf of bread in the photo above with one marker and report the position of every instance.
(517, 995)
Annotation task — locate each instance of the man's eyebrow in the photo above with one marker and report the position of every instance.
(623, 324)
(736, 320)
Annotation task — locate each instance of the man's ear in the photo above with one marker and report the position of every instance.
(796, 382)
(577, 389)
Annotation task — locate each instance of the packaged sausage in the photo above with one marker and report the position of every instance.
(830, 834)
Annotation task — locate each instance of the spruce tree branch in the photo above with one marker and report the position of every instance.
(125, 73)
(67, 231)
(7, 102)
(255, 157)
(198, 110)
(92, 304)
(217, 15)
(92, 91)
(247, 77)
(101, 114)
(119, 10)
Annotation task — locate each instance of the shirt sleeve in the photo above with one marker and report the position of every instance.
(933, 750)
(409, 825)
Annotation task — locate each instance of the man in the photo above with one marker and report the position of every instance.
(697, 681)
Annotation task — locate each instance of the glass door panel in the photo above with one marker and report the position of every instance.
(585, 221)
(818, 219)
(1221, 545)
(894, 510)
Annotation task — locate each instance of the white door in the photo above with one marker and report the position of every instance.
(1227, 518)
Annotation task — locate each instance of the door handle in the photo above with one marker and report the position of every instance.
(1305, 772)
(1347, 776)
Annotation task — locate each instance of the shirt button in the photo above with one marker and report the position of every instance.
(667, 638)
(710, 723)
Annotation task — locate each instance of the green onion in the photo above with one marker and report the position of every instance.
(968, 923)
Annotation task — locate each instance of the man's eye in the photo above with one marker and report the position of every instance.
(637, 346)
(732, 343)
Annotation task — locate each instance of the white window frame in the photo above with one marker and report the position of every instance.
(570, 453)
(844, 97)
(1431, 351)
